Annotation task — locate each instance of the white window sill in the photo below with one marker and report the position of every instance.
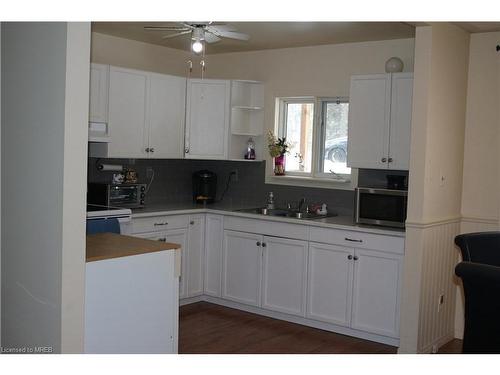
(323, 183)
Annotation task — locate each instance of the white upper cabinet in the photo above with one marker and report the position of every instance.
(167, 96)
(207, 119)
(401, 108)
(379, 121)
(99, 85)
(98, 103)
(247, 117)
(146, 114)
(128, 94)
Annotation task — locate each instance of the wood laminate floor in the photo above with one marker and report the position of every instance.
(213, 329)
(206, 328)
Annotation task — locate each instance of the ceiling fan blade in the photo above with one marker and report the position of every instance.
(176, 34)
(211, 38)
(166, 28)
(220, 27)
(231, 35)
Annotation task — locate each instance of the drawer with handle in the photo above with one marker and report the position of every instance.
(159, 223)
(390, 244)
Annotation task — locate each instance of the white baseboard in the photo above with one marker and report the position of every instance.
(438, 344)
(190, 300)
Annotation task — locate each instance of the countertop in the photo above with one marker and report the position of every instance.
(228, 209)
(103, 246)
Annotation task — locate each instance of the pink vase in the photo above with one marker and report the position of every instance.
(279, 165)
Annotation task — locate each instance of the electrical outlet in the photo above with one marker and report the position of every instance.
(234, 175)
(149, 172)
(440, 302)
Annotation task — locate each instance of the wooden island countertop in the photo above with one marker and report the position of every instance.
(104, 246)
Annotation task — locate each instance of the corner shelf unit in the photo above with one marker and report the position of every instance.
(247, 117)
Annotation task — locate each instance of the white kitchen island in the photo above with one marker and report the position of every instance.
(131, 295)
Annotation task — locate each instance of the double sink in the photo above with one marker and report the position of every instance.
(285, 213)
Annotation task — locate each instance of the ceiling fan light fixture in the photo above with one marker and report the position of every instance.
(198, 36)
(197, 46)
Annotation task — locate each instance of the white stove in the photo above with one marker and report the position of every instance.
(124, 215)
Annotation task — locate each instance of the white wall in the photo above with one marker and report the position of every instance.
(481, 182)
(307, 71)
(131, 54)
(43, 147)
(435, 186)
(75, 187)
(481, 177)
(0, 185)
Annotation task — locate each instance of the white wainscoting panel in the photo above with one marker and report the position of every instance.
(440, 256)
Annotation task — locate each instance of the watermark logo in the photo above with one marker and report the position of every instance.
(27, 350)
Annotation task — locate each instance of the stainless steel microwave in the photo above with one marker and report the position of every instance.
(121, 195)
(381, 207)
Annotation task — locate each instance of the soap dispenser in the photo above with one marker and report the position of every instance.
(270, 201)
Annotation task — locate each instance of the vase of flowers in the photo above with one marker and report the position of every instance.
(278, 148)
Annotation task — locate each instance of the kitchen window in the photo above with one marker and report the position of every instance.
(316, 128)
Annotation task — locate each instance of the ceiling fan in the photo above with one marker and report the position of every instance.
(200, 32)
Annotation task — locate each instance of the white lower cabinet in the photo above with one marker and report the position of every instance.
(265, 271)
(337, 278)
(180, 236)
(284, 275)
(376, 291)
(329, 283)
(190, 234)
(214, 230)
(195, 255)
(356, 288)
(241, 267)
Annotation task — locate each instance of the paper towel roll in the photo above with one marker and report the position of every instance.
(110, 167)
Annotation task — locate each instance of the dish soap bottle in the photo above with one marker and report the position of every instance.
(250, 153)
(270, 201)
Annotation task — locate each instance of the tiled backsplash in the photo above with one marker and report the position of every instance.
(173, 183)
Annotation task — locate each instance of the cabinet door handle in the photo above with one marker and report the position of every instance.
(355, 257)
(186, 150)
(191, 222)
(160, 224)
(264, 244)
(147, 149)
(152, 149)
(352, 240)
(389, 160)
(384, 160)
(258, 243)
(349, 257)
(163, 239)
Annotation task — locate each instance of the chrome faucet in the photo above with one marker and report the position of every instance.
(301, 203)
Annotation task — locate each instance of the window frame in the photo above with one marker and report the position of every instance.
(315, 178)
(320, 140)
(282, 123)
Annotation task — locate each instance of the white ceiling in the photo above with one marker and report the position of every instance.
(271, 35)
(266, 35)
(479, 27)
